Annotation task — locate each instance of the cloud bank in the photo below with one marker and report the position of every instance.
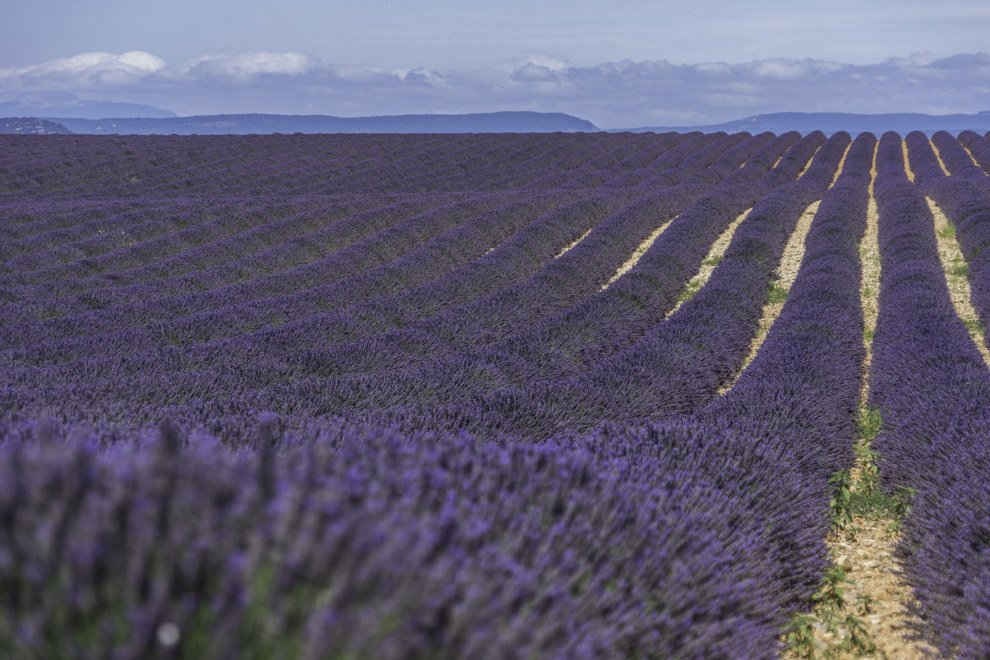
(612, 94)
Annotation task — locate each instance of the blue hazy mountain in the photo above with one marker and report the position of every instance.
(30, 126)
(497, 122)
(492, 122)
(833, 122)
(54, 105)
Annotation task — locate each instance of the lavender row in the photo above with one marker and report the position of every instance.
(965, 198)
(248, 380)
(113, 381)
(166, 166)
(66, 307)
(481, 324)
(163, 166)
(979, 146)
(692, 538)
(236, 293)
(277, 268)
(686, 144)
(637, 304)
(955, 158)
(118, 370)
(792, 413)
(227, 369)
(933, 390)
(40, 233)
(371, 542)
(676, 368)
(302, 300)
(774, 440)
(547, 406)
(142, 314)
(685, 160)
(117, 251)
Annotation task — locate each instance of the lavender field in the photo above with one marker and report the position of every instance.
(487, 396)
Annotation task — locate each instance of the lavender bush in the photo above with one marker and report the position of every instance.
(364, 396)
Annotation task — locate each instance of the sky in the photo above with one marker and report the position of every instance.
(618, 63)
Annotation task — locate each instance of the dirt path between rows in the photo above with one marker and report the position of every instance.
(956, 277)
(874, 615)
(710, 262)
(971, 156)
(938, 157)
(638, 253)
(807, 166)
(956, 269)
(841, 166)
(573, 244)
(787, 270)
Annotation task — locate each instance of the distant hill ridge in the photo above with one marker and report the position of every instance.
(833, 122)
(492, 122)
(30, 126)
(48, 106)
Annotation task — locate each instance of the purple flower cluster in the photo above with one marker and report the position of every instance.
(209, 329)
(933, 390)
(965, 198)
(78, 166)
(406, 420)
(979, 146)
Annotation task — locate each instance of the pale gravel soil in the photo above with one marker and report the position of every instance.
(715, 254)
(721, 244)
(938, 157)
(807, 165)
(869, 287)
(876, 591)
(787, 270)
(841, 166)
(638, 253)
(573, 244)
(954, 264)
(971, 156)
(907, 160)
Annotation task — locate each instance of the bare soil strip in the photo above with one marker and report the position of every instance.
(807, 166)
(841, 166)
(573, 244)
(787, 270)
(971, 156)
(637, 253)
(869, 288)
(710, 262)
(907, 161)
(956, 277)
(873, 615)
(938, 157)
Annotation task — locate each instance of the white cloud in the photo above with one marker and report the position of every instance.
(782, 69)
(89, 69)
(533, 72)
(612, 94)
(546, 62)
(247, 65)
(714, 68)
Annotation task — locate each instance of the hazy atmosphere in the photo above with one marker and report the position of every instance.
(618, 64)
